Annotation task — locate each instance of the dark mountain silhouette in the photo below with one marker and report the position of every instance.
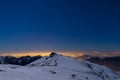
(24, 60)
(111, 62)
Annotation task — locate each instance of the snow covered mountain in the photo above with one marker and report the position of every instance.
(57, 67)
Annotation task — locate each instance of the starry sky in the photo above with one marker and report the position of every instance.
(59, 25)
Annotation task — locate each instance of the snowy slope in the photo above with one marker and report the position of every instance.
(57, 67)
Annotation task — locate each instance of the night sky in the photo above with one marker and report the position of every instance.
(59, 25)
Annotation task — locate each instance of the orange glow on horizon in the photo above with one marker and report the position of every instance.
(75, 54)
(70, 54)
(26, 54)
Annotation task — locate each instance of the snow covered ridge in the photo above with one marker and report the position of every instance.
(57, 67)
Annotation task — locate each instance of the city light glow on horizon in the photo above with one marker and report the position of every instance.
(65, 53)
(45, 53)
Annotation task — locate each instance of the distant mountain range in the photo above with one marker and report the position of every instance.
(24, 60)
(111, 62)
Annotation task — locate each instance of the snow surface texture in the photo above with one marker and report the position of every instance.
(57, 67)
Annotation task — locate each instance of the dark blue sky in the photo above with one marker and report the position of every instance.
(63, 25)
